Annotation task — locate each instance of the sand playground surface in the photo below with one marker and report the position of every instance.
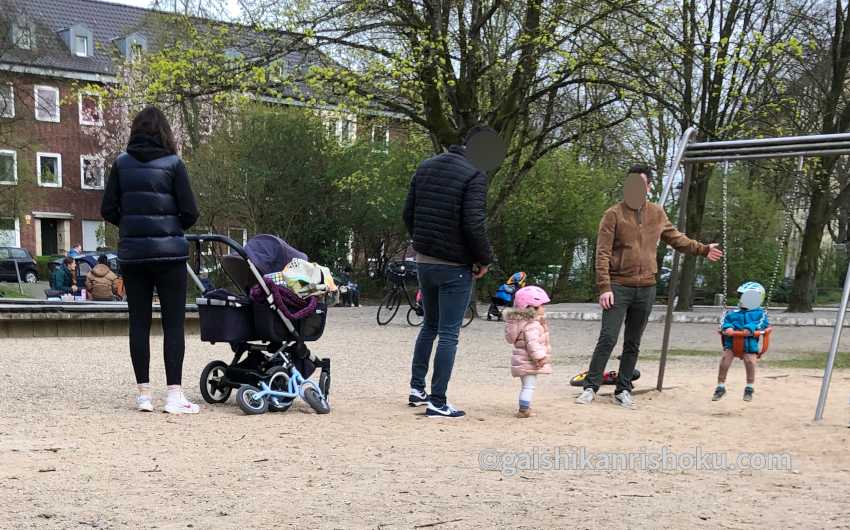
(75, 454)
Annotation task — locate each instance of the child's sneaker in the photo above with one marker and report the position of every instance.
(417, 398)
(524, 413)
(586, 397)
(719, 392)
(446, 411)
(748, 393)
(624, 399)
(144, 403)
(177, 403)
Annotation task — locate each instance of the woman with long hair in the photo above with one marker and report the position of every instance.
(150, 199)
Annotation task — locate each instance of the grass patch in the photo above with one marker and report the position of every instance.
(681, 353)
(842, 360)
(11, 291)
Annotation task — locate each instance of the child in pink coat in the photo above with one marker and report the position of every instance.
(527, 330)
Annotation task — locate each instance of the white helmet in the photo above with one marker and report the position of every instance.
(752, 295)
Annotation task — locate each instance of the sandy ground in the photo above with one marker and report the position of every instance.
(73, 454)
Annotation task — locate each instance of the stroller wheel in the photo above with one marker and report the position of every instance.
(249, 402)
(316, 401)
(279, 383)
(213, 388)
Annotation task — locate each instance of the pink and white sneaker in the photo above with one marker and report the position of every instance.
(177, 403)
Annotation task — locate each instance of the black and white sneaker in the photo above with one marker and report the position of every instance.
(446, 411)
(417, 398)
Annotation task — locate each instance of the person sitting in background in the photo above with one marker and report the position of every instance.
(348, 289)
(64, 277)
(76, 251)
(101, 282)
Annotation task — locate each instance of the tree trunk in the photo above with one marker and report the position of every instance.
(696, 209)
(566, 268)
(805, 277)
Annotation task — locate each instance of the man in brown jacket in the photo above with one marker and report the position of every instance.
(625, 275)
(101, 282)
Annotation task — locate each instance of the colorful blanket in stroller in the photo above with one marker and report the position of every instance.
(304, 278)
(291, 305)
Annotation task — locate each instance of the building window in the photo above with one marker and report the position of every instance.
(93, 235)
(46, 103)
(23, 35)
(137, 50)
(81, 48)
(91, 173)
(8, 167)
(91, 109)
(7, 101)
(49, 167)
(10, 234)
(240, 235)
(380, 137)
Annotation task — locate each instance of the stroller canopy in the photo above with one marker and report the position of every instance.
(270, 253)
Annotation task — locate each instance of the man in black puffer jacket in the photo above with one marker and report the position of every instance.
(445, 214)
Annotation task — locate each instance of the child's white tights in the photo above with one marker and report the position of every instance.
(527, 392)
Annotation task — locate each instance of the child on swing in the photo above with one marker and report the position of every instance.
(749, 316)
(527, 330)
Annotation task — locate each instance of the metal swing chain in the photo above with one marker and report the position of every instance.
(783, 243)
(724, 261)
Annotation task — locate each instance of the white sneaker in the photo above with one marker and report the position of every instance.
(586, 397)
(178, 404)
(624, 399)
(144, 403)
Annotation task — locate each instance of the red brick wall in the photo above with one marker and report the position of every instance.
(68, 138)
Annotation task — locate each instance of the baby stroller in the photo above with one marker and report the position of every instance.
(504, 296)
(271, 363)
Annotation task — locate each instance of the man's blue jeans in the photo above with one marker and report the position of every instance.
(445, 295)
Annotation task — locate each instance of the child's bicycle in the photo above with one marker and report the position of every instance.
(278, 390)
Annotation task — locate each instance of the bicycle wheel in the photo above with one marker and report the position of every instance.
(469, 314)
(415, 316)
(389, 307)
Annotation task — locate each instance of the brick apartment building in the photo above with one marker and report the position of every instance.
(50, 132)
(52, 160)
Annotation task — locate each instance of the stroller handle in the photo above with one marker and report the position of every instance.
(198, 239)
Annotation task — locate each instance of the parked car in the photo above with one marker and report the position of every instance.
(86, 263)
(26, 265)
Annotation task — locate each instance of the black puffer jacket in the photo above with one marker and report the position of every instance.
(149, 198)
(445, 211)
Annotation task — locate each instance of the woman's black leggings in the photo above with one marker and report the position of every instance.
(169, 279)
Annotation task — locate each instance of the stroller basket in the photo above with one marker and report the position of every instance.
(225, 320)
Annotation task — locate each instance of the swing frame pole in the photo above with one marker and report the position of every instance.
(673, 287)
(833, 348)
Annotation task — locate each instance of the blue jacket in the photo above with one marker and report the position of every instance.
(742, 319)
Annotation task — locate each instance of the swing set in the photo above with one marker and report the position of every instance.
(689, 153)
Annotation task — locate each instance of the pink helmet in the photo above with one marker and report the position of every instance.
(531, 296)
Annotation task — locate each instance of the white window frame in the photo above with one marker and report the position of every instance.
(99, 161)
(19, 30)
(85, 51)
(244, 237)
(385, 144)
(53, 89)
(38, 157)
(102, 229)
(17, 230)
(11, 110)
(99, 108)
(14, 167)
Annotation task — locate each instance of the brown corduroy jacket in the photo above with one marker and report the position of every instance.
(627, 243)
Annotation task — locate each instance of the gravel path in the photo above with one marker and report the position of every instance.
(73, 454)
